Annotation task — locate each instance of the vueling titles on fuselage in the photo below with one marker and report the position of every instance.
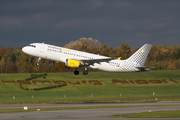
(64, 57)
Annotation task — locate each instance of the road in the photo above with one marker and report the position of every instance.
(88, 104)
(87, 114)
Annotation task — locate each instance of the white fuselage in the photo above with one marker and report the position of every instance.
(60, 54)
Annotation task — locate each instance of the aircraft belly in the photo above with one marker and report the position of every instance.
(124, 69)
(116, 68)
(106, 67)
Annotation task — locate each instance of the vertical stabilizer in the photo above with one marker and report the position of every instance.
(140, 56)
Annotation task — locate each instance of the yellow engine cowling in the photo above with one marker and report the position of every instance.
(58, 64)
(72, 63)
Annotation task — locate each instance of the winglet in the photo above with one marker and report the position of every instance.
(119, 58)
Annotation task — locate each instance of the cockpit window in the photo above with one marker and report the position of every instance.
(32, 46)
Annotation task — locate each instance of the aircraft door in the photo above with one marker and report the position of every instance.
(42, 48)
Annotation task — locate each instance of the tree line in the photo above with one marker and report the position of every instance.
(13, 60)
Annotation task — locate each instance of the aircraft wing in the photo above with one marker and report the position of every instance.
(92, 61)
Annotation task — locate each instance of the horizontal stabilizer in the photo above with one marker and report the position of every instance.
(144, 68)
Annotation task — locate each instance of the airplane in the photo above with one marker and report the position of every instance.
(64, 57)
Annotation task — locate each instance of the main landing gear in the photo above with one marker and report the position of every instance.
(85, 72)
(76, 72)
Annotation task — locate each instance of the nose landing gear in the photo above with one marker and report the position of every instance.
(38, 61)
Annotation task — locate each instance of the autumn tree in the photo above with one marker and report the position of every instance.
(2, 62)
(22, 64)
(162, 57)
(85, 44)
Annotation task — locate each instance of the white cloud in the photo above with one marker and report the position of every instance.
(155, 26)
(126, 20)
(121, 4)
(93, 4)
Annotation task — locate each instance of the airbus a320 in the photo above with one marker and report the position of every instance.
(64, 57)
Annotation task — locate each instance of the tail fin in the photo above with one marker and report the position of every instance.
(140, 55)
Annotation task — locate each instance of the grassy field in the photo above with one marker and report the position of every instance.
(159, 114)
(107, 92)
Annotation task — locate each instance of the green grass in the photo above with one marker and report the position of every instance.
(107, 92)
(159, 114)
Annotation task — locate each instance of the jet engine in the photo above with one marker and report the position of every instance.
(72, 63)
(58, 64)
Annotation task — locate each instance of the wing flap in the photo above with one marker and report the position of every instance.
(88, 62)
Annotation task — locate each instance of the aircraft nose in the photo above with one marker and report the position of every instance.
(24, 49)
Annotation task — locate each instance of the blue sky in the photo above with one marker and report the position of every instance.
(114, 22)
